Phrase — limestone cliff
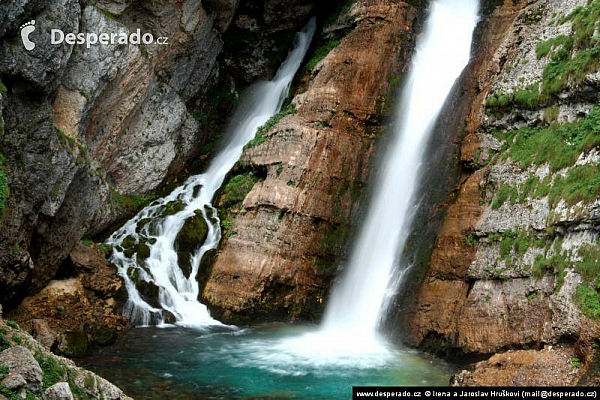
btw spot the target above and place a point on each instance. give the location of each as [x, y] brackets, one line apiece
[87, 135]
[515, 261]
[289, 229]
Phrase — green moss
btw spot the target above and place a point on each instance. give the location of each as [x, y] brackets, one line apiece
[470, 240]
[133, 203]
[320, 53]
[16, 339]
[572, 58]
[505, 192]
[13, 324]
[3, 372]
[532, 296]
[236, 190]
[4, 190]
[260, 136]
[76, 343]
[558, 145]
[173, 207]
[588, 301]
[192, 234]
[9, 394]
[54, 371]
[582, 183]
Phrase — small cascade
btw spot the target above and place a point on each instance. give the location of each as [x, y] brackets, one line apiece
[144, 248]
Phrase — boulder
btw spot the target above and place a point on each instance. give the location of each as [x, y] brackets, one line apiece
[192, 234]
[19, 361]
[59, 391]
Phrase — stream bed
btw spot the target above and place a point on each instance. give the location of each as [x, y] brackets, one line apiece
[251, 363]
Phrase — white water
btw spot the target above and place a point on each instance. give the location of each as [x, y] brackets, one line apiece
[178, 294]
[350, 327]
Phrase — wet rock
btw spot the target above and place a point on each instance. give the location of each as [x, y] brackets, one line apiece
[286, 228]
[73, 343]
[59, 391]
[192, 234]
[149, 292]
[19, 360]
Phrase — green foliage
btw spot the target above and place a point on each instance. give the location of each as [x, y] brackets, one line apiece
[575, 362]
[16, 339]
[4, 191]
[504, 193]
[226, 224]
[572, 58]
[532, 295]
[260, 136]
[13, 324]
[54, 371]
[9, 394]
[3, 88]
[582, 183]
[236, 189]
[558, 145]
[3, 372]
[470, 240]
[133, 203]
[588, 301]
[320, 53]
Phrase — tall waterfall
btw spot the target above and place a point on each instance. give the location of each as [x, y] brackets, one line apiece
[177, 293]
[443, 50]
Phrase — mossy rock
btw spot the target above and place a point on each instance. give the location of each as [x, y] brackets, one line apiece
[149, 292]
[128, 242]
[173, 207]
[143, 251]
[75, 343]
[103, 335]
[192, 234]
[141, 224]
[185, 263]
[208, 259]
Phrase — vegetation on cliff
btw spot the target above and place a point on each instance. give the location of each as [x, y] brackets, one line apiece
[4, 191]
[571, 59]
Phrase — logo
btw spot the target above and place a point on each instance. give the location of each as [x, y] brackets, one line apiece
[26, 30]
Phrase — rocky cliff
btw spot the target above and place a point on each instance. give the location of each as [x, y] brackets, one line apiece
[515, 261]
[291, 205]
[87, 135]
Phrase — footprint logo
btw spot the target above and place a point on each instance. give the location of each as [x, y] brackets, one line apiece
[26, 30]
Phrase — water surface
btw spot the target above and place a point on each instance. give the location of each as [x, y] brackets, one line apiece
[257, 362]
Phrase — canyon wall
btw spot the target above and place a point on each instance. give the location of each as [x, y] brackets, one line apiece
[515, 263]
[88, 135]
[304, 174]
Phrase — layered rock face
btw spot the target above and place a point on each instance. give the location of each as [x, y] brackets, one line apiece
[87, 133]
[306, 172]
[515, 262]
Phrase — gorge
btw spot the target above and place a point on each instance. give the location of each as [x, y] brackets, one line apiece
[418, 177]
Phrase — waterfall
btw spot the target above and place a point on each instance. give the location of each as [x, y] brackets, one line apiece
[153, 228]
[443, 50]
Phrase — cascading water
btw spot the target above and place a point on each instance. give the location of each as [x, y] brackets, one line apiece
[442, 52]
[350, 326]
[177, 293]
